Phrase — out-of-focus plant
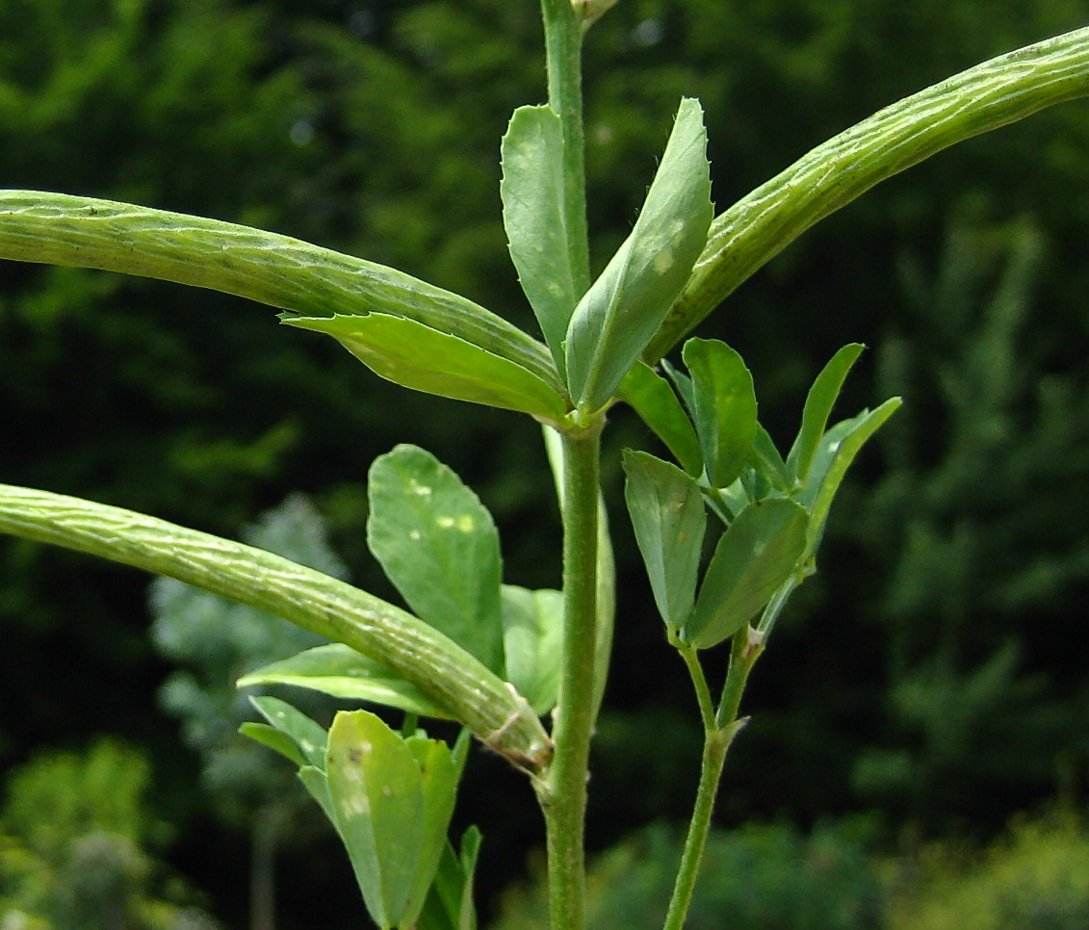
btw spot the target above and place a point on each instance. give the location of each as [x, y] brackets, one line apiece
[215, 642]
[1037, 875]
[73, 832]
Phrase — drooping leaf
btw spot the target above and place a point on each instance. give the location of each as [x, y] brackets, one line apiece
[309, 736]
[833, 457]
[439, 546]
[669, 520]
[620, 313]
[416, 356]
[274, 739]
[818, 406]
[533, 643]
[725, 408]
[341, 672]
[532, 190]
[758, 552]
[650, 395]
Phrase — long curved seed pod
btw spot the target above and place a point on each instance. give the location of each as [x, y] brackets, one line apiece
[755, 229]
[444, 671]
[290, 274]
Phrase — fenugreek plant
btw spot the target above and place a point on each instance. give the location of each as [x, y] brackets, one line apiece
[523, 671]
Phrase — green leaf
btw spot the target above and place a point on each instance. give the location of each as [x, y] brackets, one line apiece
[438, 782]
[274, 739]
[620, 313]
[258, 265]
[439, 546]
[532, 190]
[650, 395]
[392, 800]
[341, 672]
[768, 462]
[449, 904]
[309, 736]
[818, 406]
[416, 356]
[316, 784]
[834, 456]
[533, 643]
[759, 551]
[669, 519]
[725, 408]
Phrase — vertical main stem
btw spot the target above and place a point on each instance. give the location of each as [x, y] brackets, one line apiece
[562, 791]
[563, 51]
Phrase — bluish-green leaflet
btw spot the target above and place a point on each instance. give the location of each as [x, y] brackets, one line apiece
[669, 520]
[652, 397]
[307, 735]
[818, 406]
[532, 190]
[759, 551]
[622, 310]
[390, 811]
[834, 456]
[533, 643]
[449, 904]
[439, 546]
[724, 404]
[341, 672]
[417, 356]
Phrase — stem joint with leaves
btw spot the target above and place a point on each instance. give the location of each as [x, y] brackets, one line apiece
[728, 528]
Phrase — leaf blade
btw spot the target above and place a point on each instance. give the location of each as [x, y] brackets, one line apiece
[669, 520]
[650, 395]
[758, 552]
[624, 307]
[341, 672]
[416, 356]
[725, 408]
[532, 191]
[818, 407]
[423, 522]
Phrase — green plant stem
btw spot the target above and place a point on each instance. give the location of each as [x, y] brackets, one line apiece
[760, 225]
[563, 52]
[719, 730]
[562, 792]
[715, 745]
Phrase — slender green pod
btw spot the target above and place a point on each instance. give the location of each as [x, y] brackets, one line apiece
[280, 271]
[755, 229]
[444, 671]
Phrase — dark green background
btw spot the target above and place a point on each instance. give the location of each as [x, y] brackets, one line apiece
[933, 671]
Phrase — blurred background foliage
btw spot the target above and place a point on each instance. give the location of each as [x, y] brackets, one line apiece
[932, 673]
